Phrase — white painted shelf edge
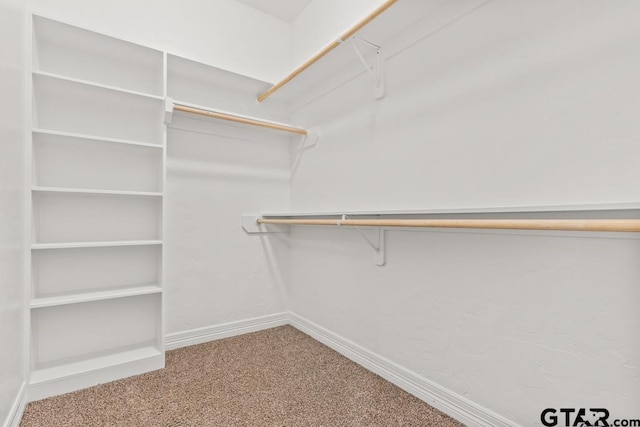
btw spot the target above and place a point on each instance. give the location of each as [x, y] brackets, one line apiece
[94, 244]
[94, 138]
[94, 84]
[94, 296]
[93, 191]
[497, 209]
[84, 366]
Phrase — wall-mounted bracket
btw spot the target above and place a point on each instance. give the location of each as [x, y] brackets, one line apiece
[168, 110]
[309, 140]
[376, 71]
[378, 244]
[250, 226]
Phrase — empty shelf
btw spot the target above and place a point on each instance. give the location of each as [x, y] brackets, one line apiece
[94, 296]
[88, 365]
[70, 245]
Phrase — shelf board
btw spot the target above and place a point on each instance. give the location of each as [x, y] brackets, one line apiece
[94, 244]
[454, 211]
[93, 364]
[95, 138]
[93, 191]
[93, 84]
[94, 296]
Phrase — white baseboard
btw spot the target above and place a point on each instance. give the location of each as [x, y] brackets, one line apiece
[224, 330]
[446, 401]
[17, 409]
[75, 381]
[452, 404]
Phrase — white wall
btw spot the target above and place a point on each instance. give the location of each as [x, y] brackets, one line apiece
[517, 103]
[215, 273]
[321, 22]
[223, 33]
[12, 203]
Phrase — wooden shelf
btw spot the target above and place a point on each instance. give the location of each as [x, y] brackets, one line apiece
[92, 191]
[104, 244]
[95, 138]
[93, 364]
[93, 84]
[94, 296]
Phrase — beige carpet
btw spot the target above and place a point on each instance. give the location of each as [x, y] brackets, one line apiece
[277, 377]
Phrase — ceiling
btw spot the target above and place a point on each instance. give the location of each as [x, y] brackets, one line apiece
[286, 10]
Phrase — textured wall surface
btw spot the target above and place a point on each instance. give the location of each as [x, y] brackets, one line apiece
[12, 227]
[223, 33]
[215, 273]
[516, 103]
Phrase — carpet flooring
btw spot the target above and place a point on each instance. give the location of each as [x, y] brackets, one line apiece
[276, 377]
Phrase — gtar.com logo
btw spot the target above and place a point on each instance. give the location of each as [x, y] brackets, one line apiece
[576, 417]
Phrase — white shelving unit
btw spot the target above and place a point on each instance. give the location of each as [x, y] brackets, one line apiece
[98, 175]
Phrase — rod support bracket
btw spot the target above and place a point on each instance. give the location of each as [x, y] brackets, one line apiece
[310, 139]
[379, 248]
[168, 110]
[251, 226]
[376, 70]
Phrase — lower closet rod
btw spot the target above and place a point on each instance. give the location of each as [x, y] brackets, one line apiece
[619, 225]
[240, 119]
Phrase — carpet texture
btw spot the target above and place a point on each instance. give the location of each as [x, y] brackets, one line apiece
[277, 377]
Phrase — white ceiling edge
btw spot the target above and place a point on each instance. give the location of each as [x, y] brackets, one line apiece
[285, 10]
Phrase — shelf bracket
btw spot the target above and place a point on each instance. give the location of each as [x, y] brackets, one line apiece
[376, 71]
[309, 140]
[168, 110]
[250, 226]
[378, 247]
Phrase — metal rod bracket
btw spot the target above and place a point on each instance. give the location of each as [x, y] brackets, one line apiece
[378, 247]
[376, 70]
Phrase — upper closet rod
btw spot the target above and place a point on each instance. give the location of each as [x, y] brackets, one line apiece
[239, 119]
[345, 36]
[618, 225]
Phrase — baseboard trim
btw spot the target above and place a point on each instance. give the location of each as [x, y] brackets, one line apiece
[224, 330]
[77, 381]
[450, 403]
[17, 409]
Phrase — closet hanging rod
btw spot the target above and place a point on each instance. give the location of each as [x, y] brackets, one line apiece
[239, 119]
[615, 225]
[343, 37]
